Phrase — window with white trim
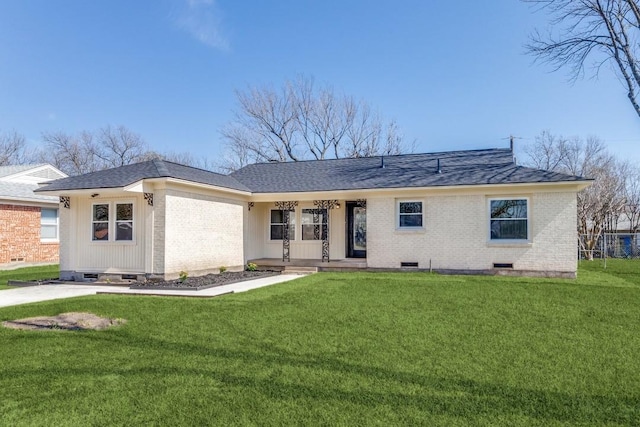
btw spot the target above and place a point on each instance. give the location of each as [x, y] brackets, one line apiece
[49, 224]
[100, 222]
[108, 227]
[311, 220]
[277, 222]
[509, 219]
[410, 214]
[124, 221]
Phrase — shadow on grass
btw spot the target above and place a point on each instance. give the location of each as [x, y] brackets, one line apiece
[437, 396]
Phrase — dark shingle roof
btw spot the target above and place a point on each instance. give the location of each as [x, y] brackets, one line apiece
[125, 175]
[472, 167]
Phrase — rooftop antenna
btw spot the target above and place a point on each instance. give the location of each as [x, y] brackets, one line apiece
[511, 139]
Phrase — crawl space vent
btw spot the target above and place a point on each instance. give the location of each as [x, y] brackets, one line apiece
[503, 265]
[409, 264]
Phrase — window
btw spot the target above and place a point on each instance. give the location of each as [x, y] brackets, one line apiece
[509, 219]
[48, 224]
[102, 222]
[311, 220]
[124, 221]
[410, 214]
[278, 220]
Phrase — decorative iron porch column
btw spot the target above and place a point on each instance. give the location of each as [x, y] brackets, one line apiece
[286, 208]
[327, 205]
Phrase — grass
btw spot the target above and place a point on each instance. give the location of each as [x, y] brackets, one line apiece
[341, 349]
[28, 273]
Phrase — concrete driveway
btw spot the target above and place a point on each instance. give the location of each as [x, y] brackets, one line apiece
[31, 294]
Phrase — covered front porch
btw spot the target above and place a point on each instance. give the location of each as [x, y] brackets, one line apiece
[313, 233]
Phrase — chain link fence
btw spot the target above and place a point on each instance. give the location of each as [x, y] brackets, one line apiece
[610, 245]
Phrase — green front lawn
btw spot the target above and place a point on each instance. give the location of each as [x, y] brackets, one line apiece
[29, 273]
[340, 349]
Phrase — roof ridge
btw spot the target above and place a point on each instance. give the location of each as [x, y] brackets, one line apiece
[434, 153]
[161, 168]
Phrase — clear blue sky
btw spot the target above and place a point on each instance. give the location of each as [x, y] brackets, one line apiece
[453, 74]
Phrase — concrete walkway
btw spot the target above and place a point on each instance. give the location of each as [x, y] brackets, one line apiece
[31, 294]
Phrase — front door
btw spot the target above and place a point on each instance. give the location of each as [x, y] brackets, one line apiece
[356, 230]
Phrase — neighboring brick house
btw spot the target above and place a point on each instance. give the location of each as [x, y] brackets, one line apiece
[462, 211]
[29, 230]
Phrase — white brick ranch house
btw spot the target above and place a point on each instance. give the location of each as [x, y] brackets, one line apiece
[473, 211]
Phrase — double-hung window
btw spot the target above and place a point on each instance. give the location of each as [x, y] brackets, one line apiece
[48, 225]
[278, 219]
[312, 220]
[509, 219]
[112, 222]
[410, 214]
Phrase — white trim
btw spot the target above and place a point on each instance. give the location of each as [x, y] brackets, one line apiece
[319, 239]
[112, 222]
[345, 194]
[295, 223]
[509, 242]
[399, 227]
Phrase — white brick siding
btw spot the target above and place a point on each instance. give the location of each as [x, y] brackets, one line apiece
[201, 233]
[456, 234]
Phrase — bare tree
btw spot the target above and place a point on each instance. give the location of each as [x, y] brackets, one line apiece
[72, 154]
[597, 204]
[182, 158]
[547, 152]
[92, 151]
[632, 196]
[300, 121]
[606, 31]
[118, 147]
[13, 149]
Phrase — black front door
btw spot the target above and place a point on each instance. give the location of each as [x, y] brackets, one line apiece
[356, 230]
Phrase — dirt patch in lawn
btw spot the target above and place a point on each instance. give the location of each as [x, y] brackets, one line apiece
[74, 321]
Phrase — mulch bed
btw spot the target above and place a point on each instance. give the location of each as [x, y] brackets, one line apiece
[204, 282]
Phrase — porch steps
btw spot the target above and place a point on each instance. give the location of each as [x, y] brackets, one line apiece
[297, 269]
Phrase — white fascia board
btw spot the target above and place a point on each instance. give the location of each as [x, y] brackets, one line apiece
[359, 194]
[208, 186]
[34, 180]
[28, 202]
[83, 192]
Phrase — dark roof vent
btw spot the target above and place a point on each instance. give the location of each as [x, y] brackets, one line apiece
[381, 162]
[438, 169]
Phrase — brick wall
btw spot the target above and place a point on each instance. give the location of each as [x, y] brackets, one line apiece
[456, 234]
[201, 233]
[20, 236]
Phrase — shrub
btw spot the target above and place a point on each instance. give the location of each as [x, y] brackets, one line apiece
[183, 276]
[222, 269]
[252, 266]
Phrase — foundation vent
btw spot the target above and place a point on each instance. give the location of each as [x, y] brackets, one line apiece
[409, 264]
[129, 277]
[90, 276]
[20, 259]
[503, 265]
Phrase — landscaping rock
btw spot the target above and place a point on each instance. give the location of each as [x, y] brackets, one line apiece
[204, 282]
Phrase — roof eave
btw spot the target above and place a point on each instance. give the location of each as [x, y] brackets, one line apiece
[358, 193]
[139, 187]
